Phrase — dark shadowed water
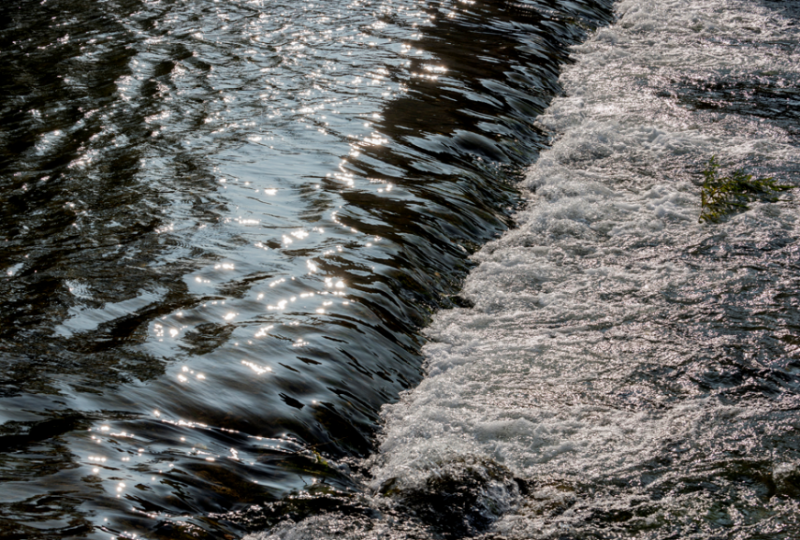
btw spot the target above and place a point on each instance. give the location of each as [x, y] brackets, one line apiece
[222, 226]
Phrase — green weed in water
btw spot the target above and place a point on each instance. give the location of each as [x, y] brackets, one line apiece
[723, 195]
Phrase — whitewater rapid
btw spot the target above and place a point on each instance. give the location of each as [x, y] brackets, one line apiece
[626, 370]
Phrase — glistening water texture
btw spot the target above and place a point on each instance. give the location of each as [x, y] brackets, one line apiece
[626, 372]
[223, 224]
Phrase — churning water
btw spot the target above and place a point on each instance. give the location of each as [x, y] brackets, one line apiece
[224, 224]
[625, 372]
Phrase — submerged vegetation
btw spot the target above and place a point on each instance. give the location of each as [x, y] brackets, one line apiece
[723, 195]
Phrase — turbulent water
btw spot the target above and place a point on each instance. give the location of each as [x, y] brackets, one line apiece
[626, 371]
[244, 293]
[224, 224]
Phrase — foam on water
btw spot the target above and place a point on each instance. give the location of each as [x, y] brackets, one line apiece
[626, 371]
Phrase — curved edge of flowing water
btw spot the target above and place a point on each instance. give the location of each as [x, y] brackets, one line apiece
[626, 371]
[222, 234]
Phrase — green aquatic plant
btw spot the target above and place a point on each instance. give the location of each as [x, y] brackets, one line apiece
[723, 195]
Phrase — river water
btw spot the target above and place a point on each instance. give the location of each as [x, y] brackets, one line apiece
[235, 233]
[223, 226]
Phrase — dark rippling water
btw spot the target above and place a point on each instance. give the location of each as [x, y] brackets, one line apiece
[223, 225]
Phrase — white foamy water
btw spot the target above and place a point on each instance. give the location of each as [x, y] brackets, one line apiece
[635, 370]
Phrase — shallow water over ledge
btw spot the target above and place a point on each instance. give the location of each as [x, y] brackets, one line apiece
[624, 371]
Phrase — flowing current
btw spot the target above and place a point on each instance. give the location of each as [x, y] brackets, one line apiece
[225, 223]
[625, 372]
